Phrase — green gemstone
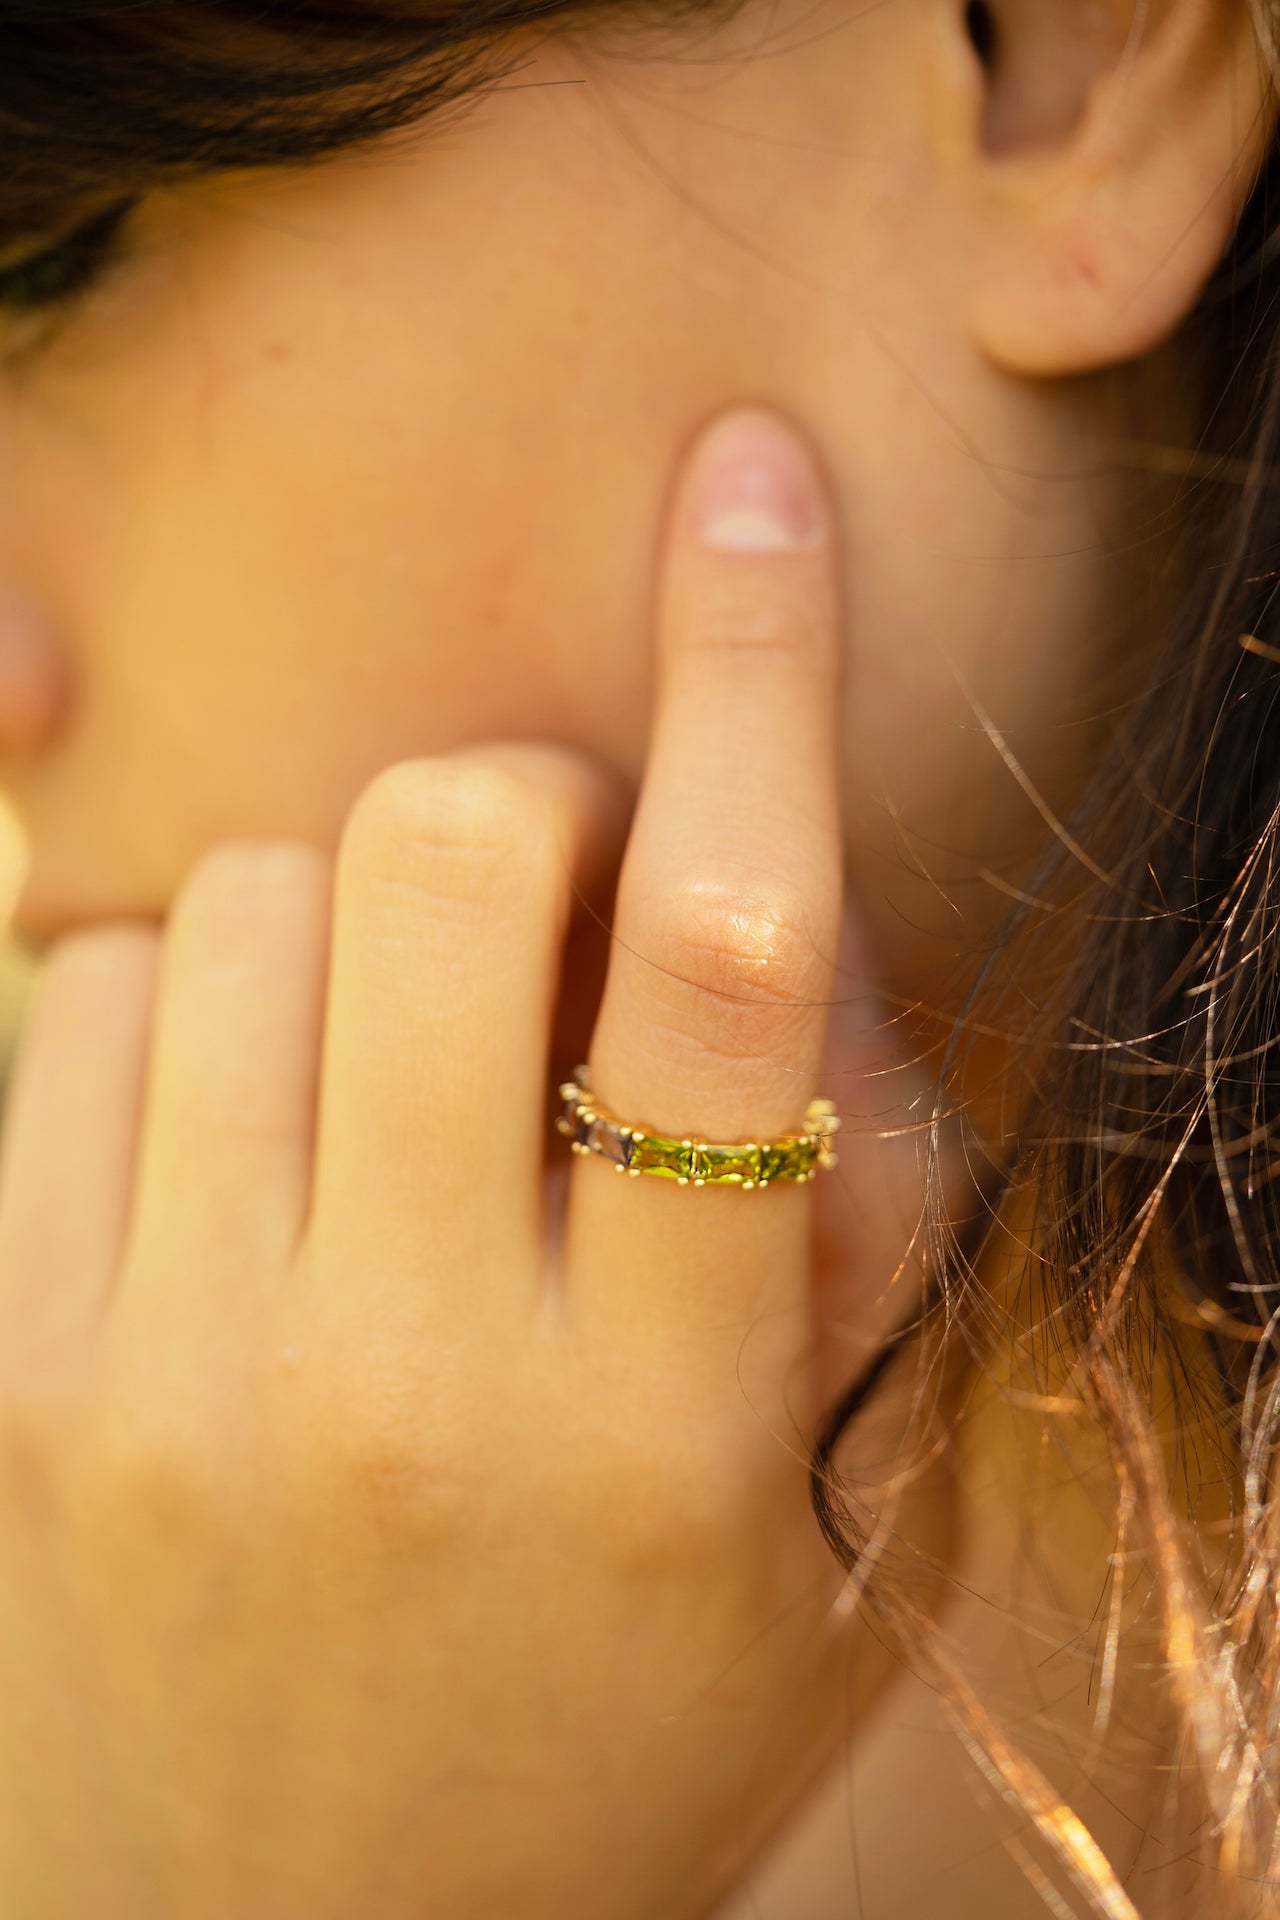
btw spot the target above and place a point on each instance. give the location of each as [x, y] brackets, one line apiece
[787, 1160]
[657, 1154]
[806, 1156]
[728, 1166]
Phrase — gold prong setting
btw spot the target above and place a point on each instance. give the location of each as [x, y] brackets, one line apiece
[751, 1165]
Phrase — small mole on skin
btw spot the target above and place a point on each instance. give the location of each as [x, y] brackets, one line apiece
[1081, 271]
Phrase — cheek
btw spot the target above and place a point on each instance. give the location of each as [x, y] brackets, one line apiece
[366, 474]
[287, 570]
[977, 699]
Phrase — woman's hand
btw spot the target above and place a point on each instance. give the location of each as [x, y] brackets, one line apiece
[370, 1547]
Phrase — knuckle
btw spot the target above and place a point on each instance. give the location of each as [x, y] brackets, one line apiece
[239, 879]
[737, 616]
[749, 939]
[156, 1475]
[94, 974]
[34, 1441]
[663, 1510]
[395, 1493]
[368, 1460]
[429, 823]
[104, 957]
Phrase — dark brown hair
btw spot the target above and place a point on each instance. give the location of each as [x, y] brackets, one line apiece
[1149, 1156]
[133, 94]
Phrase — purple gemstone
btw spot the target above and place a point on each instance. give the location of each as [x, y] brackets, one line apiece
[608, 1140]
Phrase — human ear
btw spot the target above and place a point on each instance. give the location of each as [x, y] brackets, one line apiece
[1102, 152]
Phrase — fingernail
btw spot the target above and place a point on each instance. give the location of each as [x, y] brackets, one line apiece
[754, 488]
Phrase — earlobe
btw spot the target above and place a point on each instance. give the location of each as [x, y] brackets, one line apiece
[1097, 222]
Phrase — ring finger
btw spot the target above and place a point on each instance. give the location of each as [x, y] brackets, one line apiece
[716, 1005]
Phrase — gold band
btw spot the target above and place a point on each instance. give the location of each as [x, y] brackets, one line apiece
[695, 1163]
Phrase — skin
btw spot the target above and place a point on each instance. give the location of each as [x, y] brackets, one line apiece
[371, 466]
[494, 547]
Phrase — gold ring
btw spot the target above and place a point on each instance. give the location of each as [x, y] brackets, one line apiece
[634, 1150]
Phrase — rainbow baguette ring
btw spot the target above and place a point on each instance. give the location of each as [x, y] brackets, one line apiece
[695, 1163]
